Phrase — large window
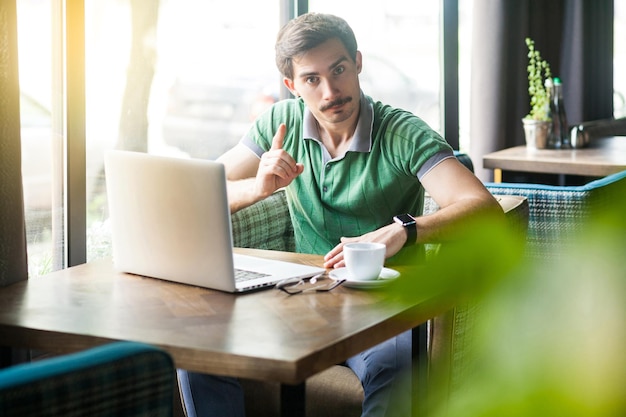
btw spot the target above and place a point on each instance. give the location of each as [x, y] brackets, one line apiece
[184, 78]
[175, 77]
[181, 78]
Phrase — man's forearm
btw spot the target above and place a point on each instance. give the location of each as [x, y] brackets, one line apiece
[241, 194]
[447, 223]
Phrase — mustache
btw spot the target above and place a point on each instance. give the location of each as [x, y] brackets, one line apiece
[338, 102]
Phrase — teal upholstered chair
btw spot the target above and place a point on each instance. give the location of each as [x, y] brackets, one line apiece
[554, 215]
[120, 379]
[557, 212]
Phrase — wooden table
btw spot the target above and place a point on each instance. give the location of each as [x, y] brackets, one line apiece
[602, 157]
[265, 335]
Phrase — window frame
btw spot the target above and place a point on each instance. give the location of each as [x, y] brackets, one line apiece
[75, 173]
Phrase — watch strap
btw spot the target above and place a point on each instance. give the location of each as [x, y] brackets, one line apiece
[408, 223]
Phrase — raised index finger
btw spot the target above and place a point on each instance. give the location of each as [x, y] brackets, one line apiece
[277, 141]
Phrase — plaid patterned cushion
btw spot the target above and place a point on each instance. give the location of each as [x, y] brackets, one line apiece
[265, 225]
[119, 379]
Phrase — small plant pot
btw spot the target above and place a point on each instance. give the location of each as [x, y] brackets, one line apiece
[537, 133]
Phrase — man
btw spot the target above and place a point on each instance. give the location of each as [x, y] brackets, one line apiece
[351, 166]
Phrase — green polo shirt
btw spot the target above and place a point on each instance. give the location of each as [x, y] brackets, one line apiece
[351, 195]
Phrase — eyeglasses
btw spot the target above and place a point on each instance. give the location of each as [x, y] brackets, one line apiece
[317, 283]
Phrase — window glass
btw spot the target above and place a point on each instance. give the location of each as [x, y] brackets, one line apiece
[41, 150]
[399, 40]
[619, 60]
[181, 78]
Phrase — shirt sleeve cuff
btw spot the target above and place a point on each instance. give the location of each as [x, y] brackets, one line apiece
[252, 145]
[433, 161]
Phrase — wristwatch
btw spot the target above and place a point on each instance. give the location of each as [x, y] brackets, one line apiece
[408, 222]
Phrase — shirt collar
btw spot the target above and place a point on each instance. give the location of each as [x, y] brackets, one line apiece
[362, 140]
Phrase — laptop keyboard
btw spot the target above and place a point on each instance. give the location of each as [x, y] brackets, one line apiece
[243, 275]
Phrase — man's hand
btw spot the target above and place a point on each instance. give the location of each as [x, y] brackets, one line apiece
[277, 168]
[392, 235]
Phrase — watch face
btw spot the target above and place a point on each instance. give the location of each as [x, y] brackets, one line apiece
[405, 218]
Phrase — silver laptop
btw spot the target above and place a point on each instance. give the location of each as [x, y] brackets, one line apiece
[170, 219]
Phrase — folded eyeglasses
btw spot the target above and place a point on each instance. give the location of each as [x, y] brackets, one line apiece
[317, 283]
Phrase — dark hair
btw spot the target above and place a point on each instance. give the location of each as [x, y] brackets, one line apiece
[307, 32]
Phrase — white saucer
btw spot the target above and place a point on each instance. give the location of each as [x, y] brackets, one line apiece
[386, 275]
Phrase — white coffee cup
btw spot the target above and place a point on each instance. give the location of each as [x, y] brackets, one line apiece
[364, 260]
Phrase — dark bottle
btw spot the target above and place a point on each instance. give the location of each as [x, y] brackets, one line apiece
[559, 109]
[554, 139]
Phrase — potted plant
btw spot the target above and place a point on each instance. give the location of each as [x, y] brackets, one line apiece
[537, 124]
